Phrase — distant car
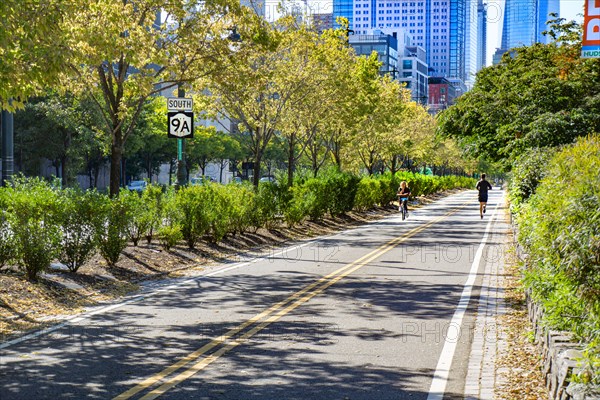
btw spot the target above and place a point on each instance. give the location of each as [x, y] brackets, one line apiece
[138, 186]
[237, 179]
[267, 178]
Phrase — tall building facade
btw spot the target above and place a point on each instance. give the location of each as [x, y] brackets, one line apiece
[525, 22]
[446, 29]
[471, 42]
[343, 8]
[386, 47]
[482, 35]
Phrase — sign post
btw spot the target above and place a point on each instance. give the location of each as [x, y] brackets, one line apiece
[590, 47]
[180, 125]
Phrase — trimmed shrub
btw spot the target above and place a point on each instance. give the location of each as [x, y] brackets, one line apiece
[140, 214]
[297, 208]
[342, 188]
[169, 236]
[7, 237]
[192, 203]
[242, 199]
[33, 207]
[170, 217]
[78, 222]
[315, 201]
[111, 229]
[268, 204]
[368, 193]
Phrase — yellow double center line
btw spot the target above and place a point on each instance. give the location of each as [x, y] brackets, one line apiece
[273, 313]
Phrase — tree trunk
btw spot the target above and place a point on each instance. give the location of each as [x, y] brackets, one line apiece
[96, 174]
[315, 162]
[221, 167]
[256, 169]
[149, 169]
[90, 174]
[63, 171]
[291, 158]
[337, 157]
[115, 164]
[394, 165]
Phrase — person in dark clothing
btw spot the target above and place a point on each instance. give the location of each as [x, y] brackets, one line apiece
[482, 187]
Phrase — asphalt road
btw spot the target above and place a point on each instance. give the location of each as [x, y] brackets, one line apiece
[369, 313]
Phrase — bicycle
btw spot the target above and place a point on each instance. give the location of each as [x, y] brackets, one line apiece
[403, 206]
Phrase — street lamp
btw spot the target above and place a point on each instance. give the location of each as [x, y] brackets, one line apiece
[7, 147]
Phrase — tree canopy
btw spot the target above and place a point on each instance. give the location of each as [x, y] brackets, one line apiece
[538, 96]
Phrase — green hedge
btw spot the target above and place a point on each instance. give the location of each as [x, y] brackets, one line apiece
[40, 223]
[560, 229]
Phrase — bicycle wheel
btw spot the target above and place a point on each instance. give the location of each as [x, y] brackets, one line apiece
[403, 212]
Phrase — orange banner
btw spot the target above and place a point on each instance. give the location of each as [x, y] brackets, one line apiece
[591, 23]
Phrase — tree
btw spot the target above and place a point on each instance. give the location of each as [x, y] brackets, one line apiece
[378, 108]
[120, 56]
[54, 128]
[306, 127]
[203, 148]
[538, 96]
[257, 83]
[150, 147]
[30, 59]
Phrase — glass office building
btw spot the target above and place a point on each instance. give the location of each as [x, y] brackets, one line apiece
[525, 20]
[343, 8]
[446, 29]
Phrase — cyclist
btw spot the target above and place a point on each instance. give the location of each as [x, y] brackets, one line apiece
[403, 193]
[483, 186]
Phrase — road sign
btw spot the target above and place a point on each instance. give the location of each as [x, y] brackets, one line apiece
[179, 104]
[590, 46]
[180, 124]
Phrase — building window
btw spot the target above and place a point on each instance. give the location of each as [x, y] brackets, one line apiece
[406, 64]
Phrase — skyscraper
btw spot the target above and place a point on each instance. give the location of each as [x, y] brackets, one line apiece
[343, 8]
[439, 26]
[524, 22]
[482, 35]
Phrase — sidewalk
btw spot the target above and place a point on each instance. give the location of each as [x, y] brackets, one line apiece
[489, 337]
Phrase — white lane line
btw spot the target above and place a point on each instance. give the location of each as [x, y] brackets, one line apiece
[442, 371]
